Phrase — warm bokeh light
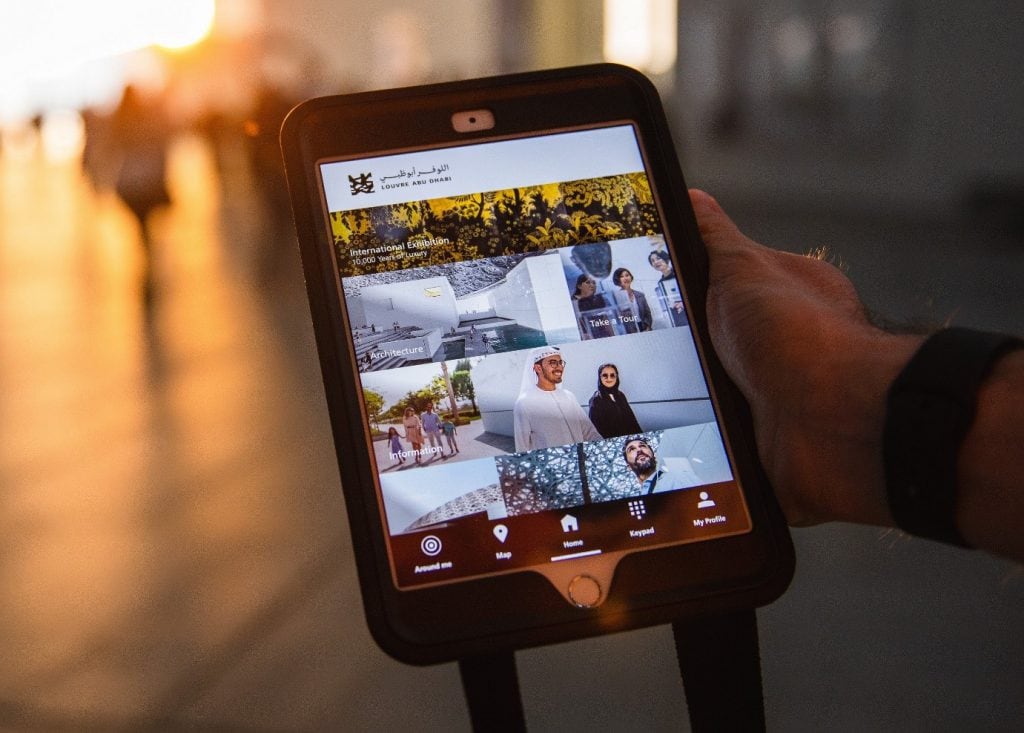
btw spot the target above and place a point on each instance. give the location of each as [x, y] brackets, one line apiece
[51, 35]
[181, 25]
[641, 34]
[62, 135]
[53, 50]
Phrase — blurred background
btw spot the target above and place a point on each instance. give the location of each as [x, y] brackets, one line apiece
[173, 548]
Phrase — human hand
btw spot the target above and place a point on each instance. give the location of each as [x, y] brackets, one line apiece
[794, 336]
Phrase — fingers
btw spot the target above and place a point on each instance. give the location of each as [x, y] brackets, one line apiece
[716, 228]
[726, 244]
[703, 202]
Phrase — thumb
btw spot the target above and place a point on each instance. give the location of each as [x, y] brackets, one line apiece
[716, 228]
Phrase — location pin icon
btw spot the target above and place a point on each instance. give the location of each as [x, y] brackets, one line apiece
[501, 532]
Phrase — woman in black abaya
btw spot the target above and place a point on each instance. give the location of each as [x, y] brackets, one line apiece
[609, 409]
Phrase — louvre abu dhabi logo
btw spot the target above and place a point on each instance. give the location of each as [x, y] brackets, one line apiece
[363, 183]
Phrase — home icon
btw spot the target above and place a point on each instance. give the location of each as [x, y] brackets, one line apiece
[569, 524]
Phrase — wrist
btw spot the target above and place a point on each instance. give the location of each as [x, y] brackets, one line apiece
[948, 438]
[990, 501]
[844, 421]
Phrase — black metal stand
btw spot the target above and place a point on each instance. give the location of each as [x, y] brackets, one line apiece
[492, 692]
[721, 668]
[719, 662]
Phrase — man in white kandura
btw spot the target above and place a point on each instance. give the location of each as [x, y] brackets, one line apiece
[546, 415]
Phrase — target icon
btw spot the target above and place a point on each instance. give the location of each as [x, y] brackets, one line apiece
[430, 545]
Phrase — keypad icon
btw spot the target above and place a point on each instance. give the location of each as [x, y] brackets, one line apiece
[637, 509]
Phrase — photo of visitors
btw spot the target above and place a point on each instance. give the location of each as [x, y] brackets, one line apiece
[520, 414]
[610, 298]
[544, 395]
[546, 415]
[435, 404]
[609, 409]
[530, 399]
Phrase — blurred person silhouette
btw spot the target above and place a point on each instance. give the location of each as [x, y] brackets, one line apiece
[99, 165]
[139, 138]
[263, 151]
[93, 167]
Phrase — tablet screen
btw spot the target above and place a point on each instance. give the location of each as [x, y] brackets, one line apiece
[531, 388]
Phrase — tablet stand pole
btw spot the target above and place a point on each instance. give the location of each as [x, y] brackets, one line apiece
[492, 692]
[721, 669]
[719, 662]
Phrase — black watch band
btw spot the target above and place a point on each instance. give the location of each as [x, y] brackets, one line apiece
[929, 411]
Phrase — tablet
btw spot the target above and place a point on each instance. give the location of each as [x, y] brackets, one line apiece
[535, 438]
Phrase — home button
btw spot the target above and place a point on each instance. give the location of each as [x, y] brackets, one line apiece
[584, 591]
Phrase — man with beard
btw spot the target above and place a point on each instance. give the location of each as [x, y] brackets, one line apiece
[546, 415]
[668, 475]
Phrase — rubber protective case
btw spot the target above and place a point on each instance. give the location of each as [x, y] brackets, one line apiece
[507, 612]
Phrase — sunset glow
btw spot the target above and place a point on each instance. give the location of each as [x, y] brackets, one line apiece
[50, 35]
[47, 46]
